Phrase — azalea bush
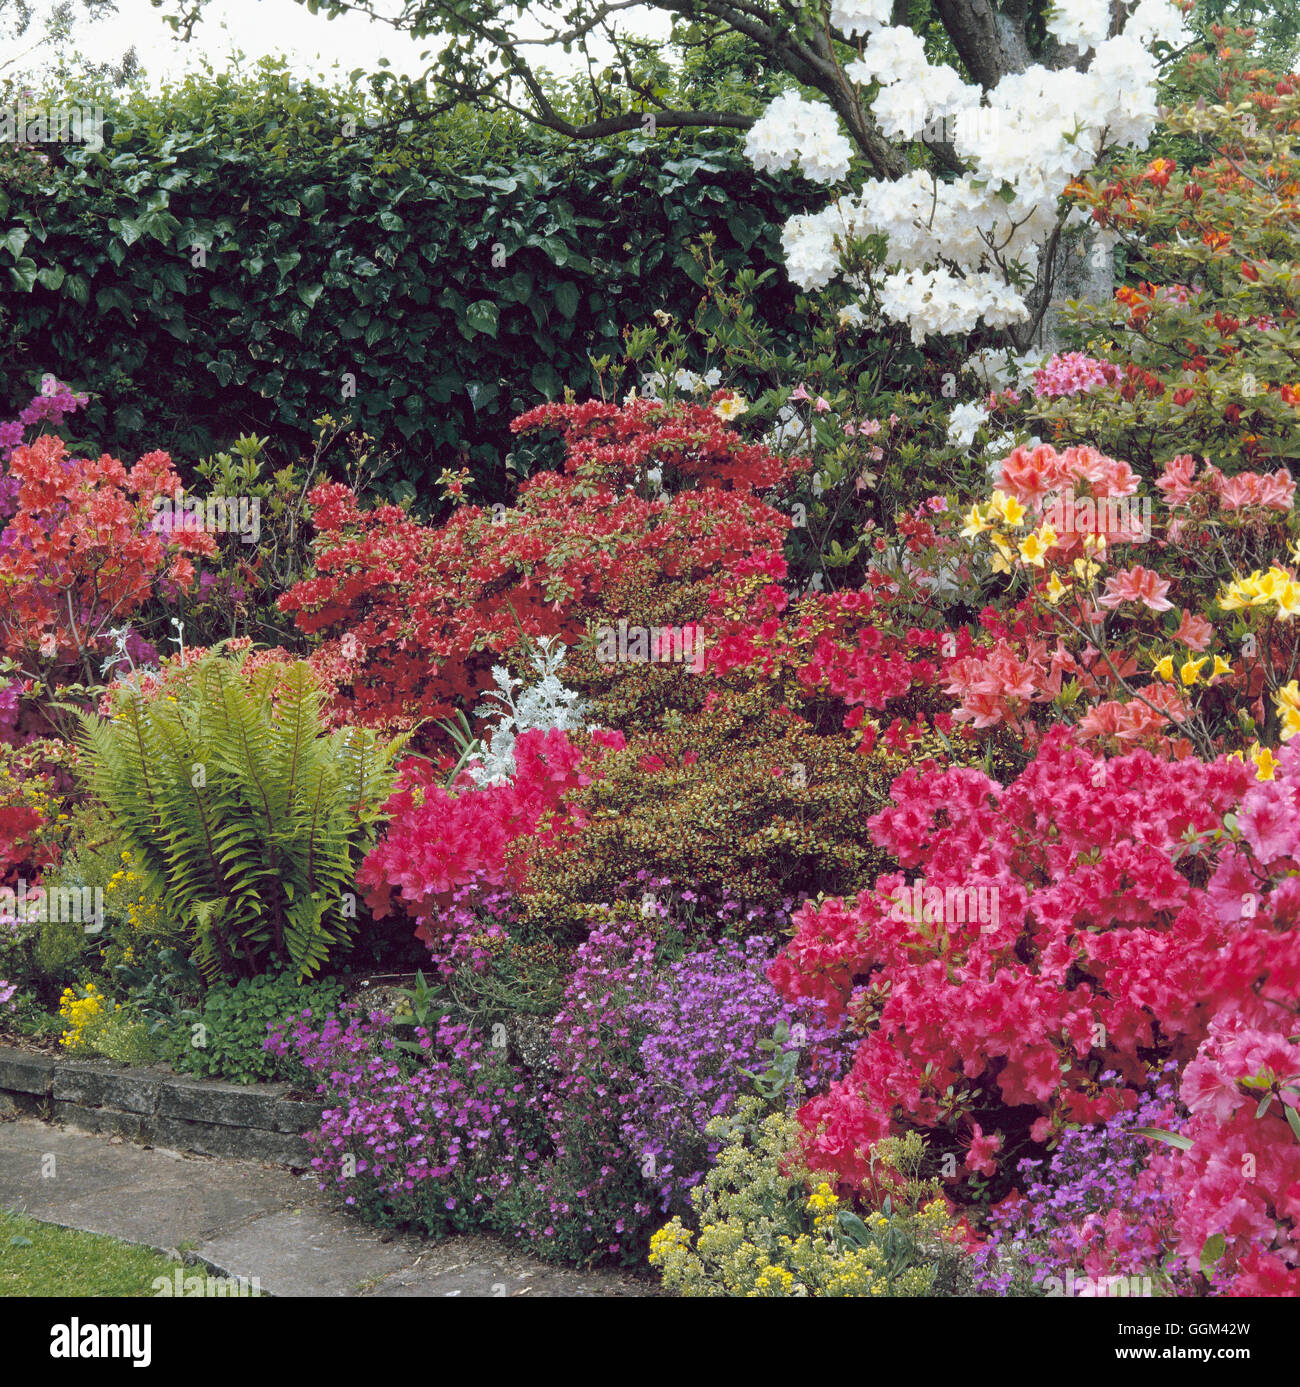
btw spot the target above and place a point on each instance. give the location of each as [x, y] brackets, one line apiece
[422, 611]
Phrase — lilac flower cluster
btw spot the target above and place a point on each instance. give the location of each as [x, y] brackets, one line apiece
[647, 1051]
[703, 1020]
[1098, 1208]
[431, 1141]
[649, 1045]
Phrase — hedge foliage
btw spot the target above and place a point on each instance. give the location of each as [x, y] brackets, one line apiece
[239, 247]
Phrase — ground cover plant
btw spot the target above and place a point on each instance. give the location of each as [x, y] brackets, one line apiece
[829, 824]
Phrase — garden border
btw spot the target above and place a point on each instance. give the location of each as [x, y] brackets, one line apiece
[153, 1107]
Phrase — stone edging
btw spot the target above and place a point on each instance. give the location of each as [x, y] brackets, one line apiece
[157, 1108]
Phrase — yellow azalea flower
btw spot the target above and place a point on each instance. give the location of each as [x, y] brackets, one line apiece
[1085, 568]
[1287, 598]
[1243, 592]
[730, 408]
[1033, 550]
[1191, 670]
[1055, 589]
[1265, 762]
[1287, 702]
[975, 524]
[1221, 666]
[1007, 507]
[1165, 669]
[1001, 562]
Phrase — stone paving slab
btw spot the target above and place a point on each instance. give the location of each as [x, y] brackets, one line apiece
[251, 1220]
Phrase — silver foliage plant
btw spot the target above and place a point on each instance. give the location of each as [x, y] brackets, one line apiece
[543, 705]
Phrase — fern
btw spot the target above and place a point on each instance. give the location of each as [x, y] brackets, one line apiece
[243, 811]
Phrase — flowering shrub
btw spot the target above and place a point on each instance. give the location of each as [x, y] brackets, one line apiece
[1095, 1208]
[81, 552]
[439, 839]
[1200, 344]
[952, 244]
[425, 605]
[767, 1230]
[1093, 955]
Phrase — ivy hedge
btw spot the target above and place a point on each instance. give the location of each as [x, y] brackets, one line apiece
[241, 258]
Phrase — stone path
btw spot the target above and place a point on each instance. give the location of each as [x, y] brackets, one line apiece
[242, 1219]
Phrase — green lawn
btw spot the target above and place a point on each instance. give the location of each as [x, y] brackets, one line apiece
[38, 1259]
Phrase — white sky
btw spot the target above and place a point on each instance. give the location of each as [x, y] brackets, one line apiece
[313, 43]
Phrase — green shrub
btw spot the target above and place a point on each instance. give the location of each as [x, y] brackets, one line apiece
[224, 1040]
[263, 241]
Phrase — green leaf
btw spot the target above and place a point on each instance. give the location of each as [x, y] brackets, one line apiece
[309, 293]
[482, 316]
[24, 274]
[1211, 1252]
[52, 276]
[1293, 1120]
[1169, 1138]
[15, 240]
[566, 299]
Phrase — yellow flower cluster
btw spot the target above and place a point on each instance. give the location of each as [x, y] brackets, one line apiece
[82, 1015]
[1190, 671]
[126, 894]
[1287, 702]
[1002, 512]
[1264, 761]
[754, 1240]
[1260, 589]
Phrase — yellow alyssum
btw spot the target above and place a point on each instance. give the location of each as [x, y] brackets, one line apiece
[80, 1014]
[768, 1229]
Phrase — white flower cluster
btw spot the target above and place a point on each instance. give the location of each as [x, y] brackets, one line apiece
[964, 422]
[912, 89]
[860, 16]
[1082, 24]
[544, 705]
[951, 243]
[790, 434]
[686, 381]
[997, 368]
[807, 132]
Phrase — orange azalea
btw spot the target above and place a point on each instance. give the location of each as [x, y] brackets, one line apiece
[1194, 631]
[1137, 584]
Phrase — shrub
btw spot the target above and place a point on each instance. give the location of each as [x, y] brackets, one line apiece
[424, 609]
[226, 1038]
[768, 1230]
[739, 801]
[1093, 951]
[239, 808]
[509, 259]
